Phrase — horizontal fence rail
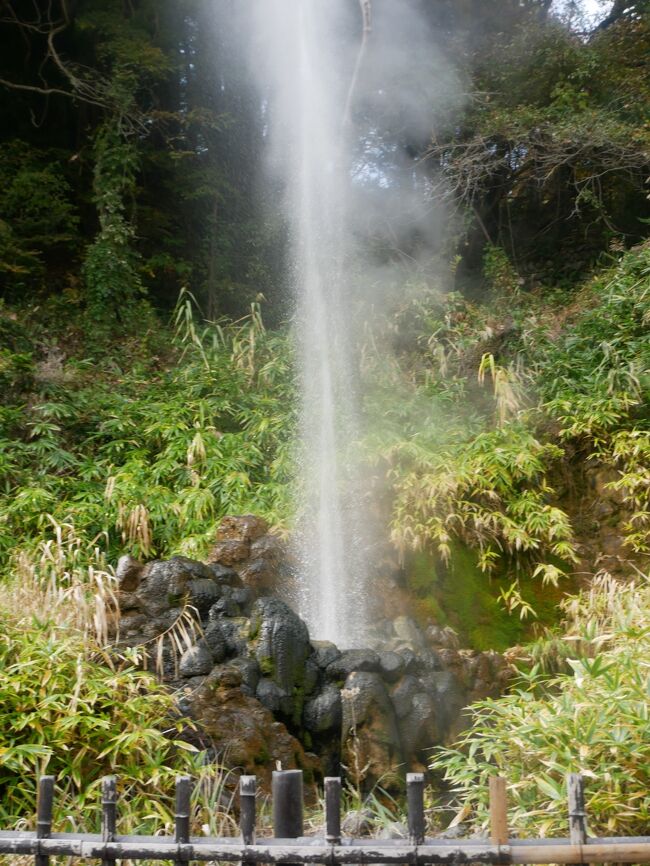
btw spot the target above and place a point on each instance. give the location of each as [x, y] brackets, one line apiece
[290, 846]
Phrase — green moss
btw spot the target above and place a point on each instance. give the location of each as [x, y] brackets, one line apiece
[466, 599]
[262, 757]
[266, 666]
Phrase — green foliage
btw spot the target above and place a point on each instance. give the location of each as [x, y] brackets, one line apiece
[490, 491]
[71, 704]
[123, 39]
[501, 276]
[550, 157]
[595, 381]
[113, 284]
[148, 459]
[605, 351]
[471, 460]
[80, 714]
[593, 720]
[37, 215]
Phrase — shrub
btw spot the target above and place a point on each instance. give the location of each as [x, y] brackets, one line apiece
[593, 720]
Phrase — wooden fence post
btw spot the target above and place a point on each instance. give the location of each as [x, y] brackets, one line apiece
[287, 805]
[44, 808]
[577, 813]
[415, 802]
[247, 791]
[498, 811]
[109, 813]
[183, 811]
[333, 810]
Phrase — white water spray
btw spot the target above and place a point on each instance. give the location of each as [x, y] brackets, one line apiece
[310, 68]
[344, 98]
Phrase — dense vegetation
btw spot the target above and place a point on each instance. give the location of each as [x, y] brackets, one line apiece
[592, 716]
[147, 385]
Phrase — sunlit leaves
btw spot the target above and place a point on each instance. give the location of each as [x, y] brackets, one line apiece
[65, 711]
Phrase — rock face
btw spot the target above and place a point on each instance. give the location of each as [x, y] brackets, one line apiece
[262, 691]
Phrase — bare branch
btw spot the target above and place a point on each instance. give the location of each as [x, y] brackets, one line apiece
[44, 91]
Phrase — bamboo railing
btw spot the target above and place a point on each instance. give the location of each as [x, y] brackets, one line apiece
[291, 846]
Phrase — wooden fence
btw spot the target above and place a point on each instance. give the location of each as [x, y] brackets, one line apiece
[290, 846]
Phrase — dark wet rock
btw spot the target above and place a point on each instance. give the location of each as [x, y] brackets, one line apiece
[241, 730]
[445, 685]
[250, 672]
[155, 625]
[218, 609]
[236, 632]
[131, 623]
[446, 637]
[412, 662]
[325, 652]
[270, 695]
[243, 597]
[129, 602]
[391, 666]
[311, 676]
[164, 583]
[195, 682]
[245, 546]
[420, 729]
[358, 822]
[403, 693]
[369, 730]
[196, 661]
[259, 575]
[267, 547]
[353, 660]
[255, 654]
[203, 592]
[282, 642]
[193, 567]
[430, 660]
[246, 527]
[455, 661]
[225, 606]
[448, 694]
[215, 640]
[223, 574]
[226, 676]
[324, 712]
[128, 573]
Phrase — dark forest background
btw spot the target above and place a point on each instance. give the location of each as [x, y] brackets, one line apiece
[132, 141]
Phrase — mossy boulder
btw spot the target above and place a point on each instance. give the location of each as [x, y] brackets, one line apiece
[281, 647]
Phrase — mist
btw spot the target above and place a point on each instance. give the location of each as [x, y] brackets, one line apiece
[351, 93]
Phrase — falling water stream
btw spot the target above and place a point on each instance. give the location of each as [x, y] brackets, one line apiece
[331, 544]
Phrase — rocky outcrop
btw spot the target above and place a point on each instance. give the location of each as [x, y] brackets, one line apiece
[261, 691]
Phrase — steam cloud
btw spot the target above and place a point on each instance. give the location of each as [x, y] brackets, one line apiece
[341, 146]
